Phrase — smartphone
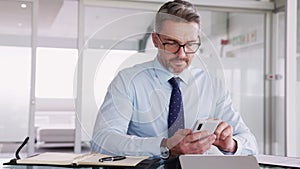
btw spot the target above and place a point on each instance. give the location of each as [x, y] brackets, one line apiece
[208, 125]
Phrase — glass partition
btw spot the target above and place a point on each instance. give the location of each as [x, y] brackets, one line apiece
[56, 62]
[15, 69]
[243, 60]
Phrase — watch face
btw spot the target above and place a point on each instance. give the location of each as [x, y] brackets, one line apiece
[164, 151]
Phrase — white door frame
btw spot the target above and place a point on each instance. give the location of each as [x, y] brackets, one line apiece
[291, 77]
[31, 121]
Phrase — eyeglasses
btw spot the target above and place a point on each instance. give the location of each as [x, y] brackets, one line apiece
[174, 46]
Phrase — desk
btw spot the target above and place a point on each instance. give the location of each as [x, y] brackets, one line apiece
[156, 164]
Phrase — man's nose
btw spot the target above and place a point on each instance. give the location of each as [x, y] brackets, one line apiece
[181, 53]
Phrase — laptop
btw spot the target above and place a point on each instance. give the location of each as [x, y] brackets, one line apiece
[217, 161]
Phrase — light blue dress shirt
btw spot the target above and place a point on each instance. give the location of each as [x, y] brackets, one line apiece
[134, 115]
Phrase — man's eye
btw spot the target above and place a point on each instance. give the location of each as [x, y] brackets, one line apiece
[191, 44]
[172, 43]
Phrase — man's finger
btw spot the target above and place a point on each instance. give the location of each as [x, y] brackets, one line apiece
[226, 133]
[196, 136]
[222, 125]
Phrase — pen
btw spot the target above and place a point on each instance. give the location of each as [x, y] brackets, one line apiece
[113, 158]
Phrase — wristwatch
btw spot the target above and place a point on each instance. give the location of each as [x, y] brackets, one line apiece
[164, 150]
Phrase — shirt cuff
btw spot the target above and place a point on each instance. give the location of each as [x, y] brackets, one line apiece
[239, 146]
[157, 144]
[237, 151]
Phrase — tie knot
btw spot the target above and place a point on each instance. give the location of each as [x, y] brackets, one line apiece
[174, 82]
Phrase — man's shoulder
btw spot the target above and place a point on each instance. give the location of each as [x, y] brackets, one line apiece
[138, 72]
[137, 68]
[212, 77]
[198, 72]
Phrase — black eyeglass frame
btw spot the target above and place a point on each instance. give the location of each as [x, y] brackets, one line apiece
[179, 45]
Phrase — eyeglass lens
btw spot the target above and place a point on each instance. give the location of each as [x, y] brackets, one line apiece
[174, 47]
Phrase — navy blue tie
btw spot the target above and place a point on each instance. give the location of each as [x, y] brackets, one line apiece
[176, 117]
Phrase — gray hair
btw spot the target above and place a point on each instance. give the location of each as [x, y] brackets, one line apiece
[177, 10]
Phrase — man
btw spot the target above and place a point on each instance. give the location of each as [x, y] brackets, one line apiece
[150, 108]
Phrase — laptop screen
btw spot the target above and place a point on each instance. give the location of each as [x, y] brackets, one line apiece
[215, 162]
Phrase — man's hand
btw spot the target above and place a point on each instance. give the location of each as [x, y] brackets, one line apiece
[224, 140]
[186, 142]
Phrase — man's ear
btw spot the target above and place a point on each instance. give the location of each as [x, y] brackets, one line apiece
[154, 39]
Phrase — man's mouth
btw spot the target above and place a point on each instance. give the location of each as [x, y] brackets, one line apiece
[180, 61]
